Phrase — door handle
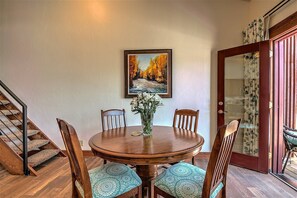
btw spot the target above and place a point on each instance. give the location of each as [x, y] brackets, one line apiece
[222, 112]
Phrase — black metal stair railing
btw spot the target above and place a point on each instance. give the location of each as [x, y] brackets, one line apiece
[24, 127]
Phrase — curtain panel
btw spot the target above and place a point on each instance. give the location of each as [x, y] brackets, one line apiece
[252, 34]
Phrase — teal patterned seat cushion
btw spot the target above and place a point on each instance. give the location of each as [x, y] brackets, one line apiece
[291, 139]
[184, 180]
[111, 180]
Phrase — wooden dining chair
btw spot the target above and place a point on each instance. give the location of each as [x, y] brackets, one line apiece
[186, 180]
[186, 119]
[109, 180]
[111, 119]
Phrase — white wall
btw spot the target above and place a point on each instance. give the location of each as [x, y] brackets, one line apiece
[65, 58]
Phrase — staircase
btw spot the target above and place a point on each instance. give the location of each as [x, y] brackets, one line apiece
[37, 147]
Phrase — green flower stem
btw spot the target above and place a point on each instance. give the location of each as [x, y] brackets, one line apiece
[147, 123]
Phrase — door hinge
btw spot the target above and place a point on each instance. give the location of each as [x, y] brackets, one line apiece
[270, 53]
[270, 105]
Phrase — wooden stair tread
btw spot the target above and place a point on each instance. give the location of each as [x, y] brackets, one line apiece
[4, 102]
[10, 123]
[19, 134]
[9, 112]
[42, 156]
[32, 145]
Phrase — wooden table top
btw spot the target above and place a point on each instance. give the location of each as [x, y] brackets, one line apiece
[167, 144]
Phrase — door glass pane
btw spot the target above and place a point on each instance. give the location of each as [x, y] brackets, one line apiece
[241, 100]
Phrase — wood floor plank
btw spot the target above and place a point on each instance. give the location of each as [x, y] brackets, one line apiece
[54, 180]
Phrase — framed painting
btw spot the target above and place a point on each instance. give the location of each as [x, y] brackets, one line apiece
[148, 71]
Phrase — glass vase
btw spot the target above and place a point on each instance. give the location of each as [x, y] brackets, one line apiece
[147, 123]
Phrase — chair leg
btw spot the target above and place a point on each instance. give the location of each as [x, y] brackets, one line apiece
[75, 194]
[104, 161]
[223, 193]
[155, 193]
[292, 155]
[193, 161]
[289, 153]
[139, 195]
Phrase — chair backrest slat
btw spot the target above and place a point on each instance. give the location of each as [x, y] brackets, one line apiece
[220, 157]
[186, 119]
[118, 121]
[113, 118]
[191, 122]
[78, 166]
[183, 122]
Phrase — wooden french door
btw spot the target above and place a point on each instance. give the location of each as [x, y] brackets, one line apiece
[244, 92]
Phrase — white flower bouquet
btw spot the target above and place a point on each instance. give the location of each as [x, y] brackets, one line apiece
[146, 105]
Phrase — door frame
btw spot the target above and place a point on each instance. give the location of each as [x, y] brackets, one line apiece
[259, 163]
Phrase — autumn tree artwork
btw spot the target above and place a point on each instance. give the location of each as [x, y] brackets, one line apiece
[148, 71]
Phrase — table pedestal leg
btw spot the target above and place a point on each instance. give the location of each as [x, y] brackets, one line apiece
[147, 173]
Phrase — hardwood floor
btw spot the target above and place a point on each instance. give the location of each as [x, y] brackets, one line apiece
[54, 181]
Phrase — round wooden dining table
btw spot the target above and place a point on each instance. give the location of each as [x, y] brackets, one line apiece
[165, 145]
